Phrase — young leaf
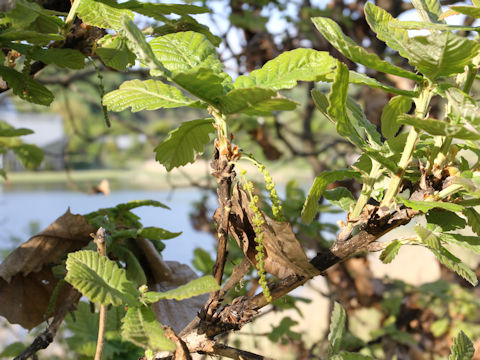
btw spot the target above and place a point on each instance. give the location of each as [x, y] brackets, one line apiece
[64, 58]
[7, 130]
[101, 14]
[345, 355]
[396, 106]
[202, 82]
[340, 197]
[439, 128]
[157, 11]
[333, 33]
[472, 11]
[145, 95]
[25, 87]
[429, 10]
[468, 242]
[30, 36]
[390, 252]
[193, 288]
[31, 156]
[31, 16]
[337, 329]
[455, 264]
[446, 220]
[462, 348]
[254, 101]
[134, 269]
[473, 219]
[139, 203]
[428, 237]
[362, 79]
[114, 52]
[141, 327]
[156, 233]
[100, 279]
[316, 191]
[420, 25]
[183, 51]
[184, 143]
[425, 206]
[285, 70]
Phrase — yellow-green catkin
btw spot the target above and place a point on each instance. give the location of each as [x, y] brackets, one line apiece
[270, 185]
[258, 221]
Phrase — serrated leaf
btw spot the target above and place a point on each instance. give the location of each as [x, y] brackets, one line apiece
[31, 16]
[145, 95]
[183, 51]
[340, 197]
[446, 220]
[396, 106]
[425, 206]
[473, 219]
[102, 14]
[468, 242]
[184, 143]
[157, 11]
[193, 288]
[420, 25]
[390, 252]
[140, 326]
[318, 187]
[202, 82]
[134, 269]
[186, 23]
[431, 239]
[362, 79]
[337, 329]
[254, 101]
[455, 264]
[114, 52]
[100, 279]
[345, 45]
[64, 58]
[156, 233]
[31, 156]
[472, 11]
[283, 331]
[429, 10]
[30, 36]
[439, 127]
[285, 70]
[25, 87]
[462, 348]
[441, 54]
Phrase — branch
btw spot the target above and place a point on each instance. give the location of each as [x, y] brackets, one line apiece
[99, 240]
[237, 354]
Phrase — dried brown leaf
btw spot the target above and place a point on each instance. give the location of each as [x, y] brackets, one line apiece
[284, 255]
[26, 279]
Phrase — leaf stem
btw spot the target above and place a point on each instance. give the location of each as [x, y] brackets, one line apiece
[71, 14]
[367, 189]
[99, 239]
[422, 103]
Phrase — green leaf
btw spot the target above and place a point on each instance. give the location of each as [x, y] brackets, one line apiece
[139, 203]
[462, 348]
[441, 54]
[102, 14]
[186, 23]
[472, 11]
[202, 82]
[193, 288]
[318, 187]
[30, 36]
[428, 237]
[285, 70]
[184, 143]
[31, 156]
[390, 252]
[249, 20]
[473, 219]
[362, 79]
[141, 327]
[396, 106]
[31, 16]
[7, 130]
[468, 242]
[420, 25]
[114, 52]
[446, 220]
[340, 197]
[345, 45]
[145, 95]
[429, 10]
[337, 329]
[100, 279]
[283, 331]
[425, 206]
[182, 51]
[25, 87]
[157, 11]
[360, 122]
[202, 261]
[156, 233]
[440, 327]
[134, 269]
[254, 101]
[439, 127]
[12, 350]
[455, 264]
[345, 355]
[64, 58]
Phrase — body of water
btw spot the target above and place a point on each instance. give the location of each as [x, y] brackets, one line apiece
[18, 209]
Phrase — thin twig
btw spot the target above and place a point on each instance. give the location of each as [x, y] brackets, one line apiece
[237, 275]
[237, 354]
[99, 239]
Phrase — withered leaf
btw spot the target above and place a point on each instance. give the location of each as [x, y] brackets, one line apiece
[26, 279]
[284, 255]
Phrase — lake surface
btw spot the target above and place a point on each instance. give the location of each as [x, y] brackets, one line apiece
[19, 208]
